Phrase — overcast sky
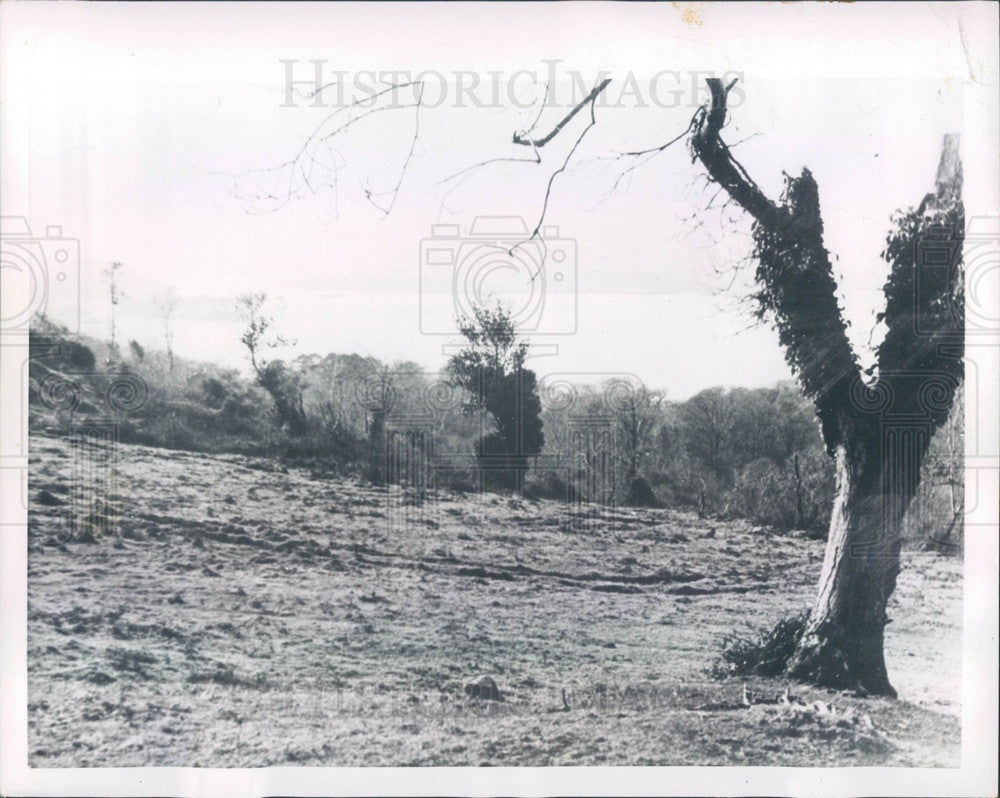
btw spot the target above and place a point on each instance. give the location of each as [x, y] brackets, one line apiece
[124, 125]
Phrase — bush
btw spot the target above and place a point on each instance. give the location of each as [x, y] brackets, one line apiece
[53, 345]
[169, 430]
[214, 393]
[795, 495]
[767, 654]
[547, 484]
[323, 447]
[78, 356]
[640, 494]
[460, 480]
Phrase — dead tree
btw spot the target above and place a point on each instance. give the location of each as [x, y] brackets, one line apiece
[166, 304]
[878, 433]
[114, 297]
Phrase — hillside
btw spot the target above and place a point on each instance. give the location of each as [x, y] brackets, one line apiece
[726, 452]
[235, 612]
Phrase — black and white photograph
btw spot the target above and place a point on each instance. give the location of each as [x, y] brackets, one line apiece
[499, 398]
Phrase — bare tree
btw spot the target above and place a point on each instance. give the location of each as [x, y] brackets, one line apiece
[878, 433]
[708, 425]
[636, 413]
[115, 295]
[283, 385]
[166, 304]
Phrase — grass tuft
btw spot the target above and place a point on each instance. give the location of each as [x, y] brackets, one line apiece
[765, 654]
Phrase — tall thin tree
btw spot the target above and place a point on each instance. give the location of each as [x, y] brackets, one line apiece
[115, 295]
[166, 304]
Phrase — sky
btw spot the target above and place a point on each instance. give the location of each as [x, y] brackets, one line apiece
[130, 125]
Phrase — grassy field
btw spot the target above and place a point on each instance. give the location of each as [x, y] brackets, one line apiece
[243, 614]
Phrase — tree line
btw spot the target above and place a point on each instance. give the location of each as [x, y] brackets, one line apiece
[488, 422]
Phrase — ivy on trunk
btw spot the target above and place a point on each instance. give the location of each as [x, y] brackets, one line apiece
[878, 432]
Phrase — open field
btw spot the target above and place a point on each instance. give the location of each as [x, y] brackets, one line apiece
[247, 615]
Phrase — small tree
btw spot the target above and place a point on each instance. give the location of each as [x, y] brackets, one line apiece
[115, 295]
[379, 397]
[282, 384]
[708, 418]
[166, 304]
[491, 369]
[636, 412]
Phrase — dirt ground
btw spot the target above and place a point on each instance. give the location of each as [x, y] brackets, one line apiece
[239, 614]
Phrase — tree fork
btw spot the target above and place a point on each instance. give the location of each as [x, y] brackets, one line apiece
[878, 459]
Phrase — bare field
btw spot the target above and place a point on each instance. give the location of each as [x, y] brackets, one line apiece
[247, 615]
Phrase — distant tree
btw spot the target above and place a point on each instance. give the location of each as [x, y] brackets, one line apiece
[284, 385]
[949, 471]
[794, 428]
[491, 369]
[166, 304]
[708, 420]
[636, 414]
[935, 518]
[137, 351]
[115, 296]
[379, 397]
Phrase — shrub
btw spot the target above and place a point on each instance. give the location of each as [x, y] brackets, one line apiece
[640, 494]
[795, 495]
[460, 480]
[214, 393]
[767, 654]
[547, 484]
[78, 356]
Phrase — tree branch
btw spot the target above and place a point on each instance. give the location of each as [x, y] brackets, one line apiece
[521, 137]
[920, 357]
[797, 291]
[724, 169]
[315, 165]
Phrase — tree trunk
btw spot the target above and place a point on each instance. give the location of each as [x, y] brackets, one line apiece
[842, 643]
[799, 515]
[878, 434]
[377, 454]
